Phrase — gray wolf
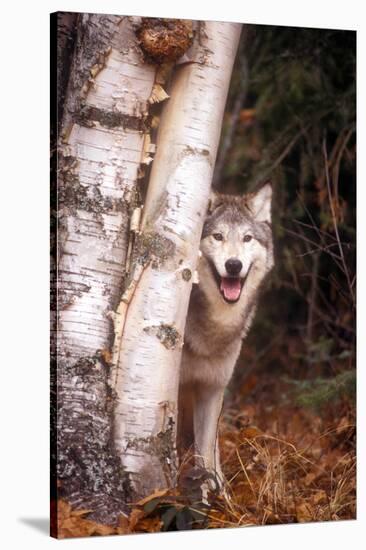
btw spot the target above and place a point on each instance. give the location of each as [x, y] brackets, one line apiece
[236, 255]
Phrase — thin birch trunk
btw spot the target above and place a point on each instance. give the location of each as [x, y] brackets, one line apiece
[152, 313]
[99, 156]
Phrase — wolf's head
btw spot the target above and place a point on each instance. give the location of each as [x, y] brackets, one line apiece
[236, 245]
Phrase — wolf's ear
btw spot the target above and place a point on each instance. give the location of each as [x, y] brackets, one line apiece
[260, 202]
[214, 201]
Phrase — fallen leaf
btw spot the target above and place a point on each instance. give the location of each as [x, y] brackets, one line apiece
[320, 497]
[303, 513]
[250, 433]
[155, 494]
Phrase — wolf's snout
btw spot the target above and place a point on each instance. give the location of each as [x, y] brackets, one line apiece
[233, 266]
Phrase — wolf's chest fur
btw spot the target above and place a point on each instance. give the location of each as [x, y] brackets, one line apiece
[213, 325]
[213, 336]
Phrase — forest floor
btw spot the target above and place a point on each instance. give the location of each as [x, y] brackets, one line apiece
[283, 464]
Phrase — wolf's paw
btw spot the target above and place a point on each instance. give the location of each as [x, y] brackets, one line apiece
[215, 485]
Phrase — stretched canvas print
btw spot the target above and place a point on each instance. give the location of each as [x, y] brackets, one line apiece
[203, 282]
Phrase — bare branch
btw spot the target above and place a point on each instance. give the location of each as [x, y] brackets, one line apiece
[314, 243]
[335, 224]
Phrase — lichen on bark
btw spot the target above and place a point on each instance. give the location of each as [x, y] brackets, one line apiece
[151, 245]
[168, 335]
[160, 446]
[89, 114]
[74, 196]
[89, 472]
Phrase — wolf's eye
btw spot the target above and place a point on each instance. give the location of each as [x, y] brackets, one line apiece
[247, 238]
[218, 236]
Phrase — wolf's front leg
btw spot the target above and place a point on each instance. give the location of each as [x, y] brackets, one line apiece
[207, 408]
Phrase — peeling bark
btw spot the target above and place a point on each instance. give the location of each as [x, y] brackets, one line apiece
[99, 152]
[150, 336]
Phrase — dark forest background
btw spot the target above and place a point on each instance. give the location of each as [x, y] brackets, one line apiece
[291, 119]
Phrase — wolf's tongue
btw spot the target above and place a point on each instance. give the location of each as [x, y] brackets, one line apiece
[231, 288]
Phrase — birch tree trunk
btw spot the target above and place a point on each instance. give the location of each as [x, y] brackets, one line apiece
[151, 316]
[99, 154]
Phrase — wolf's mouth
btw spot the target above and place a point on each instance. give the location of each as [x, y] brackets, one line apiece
[229, 287]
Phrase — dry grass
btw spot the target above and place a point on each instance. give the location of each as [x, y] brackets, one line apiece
[286, 464]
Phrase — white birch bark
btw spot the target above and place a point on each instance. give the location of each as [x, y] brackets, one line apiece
[147, 376]
[99, 156]
[107, 160]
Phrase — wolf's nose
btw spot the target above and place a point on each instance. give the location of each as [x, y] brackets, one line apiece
[233, 266]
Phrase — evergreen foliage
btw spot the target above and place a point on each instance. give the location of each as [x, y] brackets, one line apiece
[296, 127]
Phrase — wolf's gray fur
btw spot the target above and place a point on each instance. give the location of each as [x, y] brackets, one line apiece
[221, 310]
